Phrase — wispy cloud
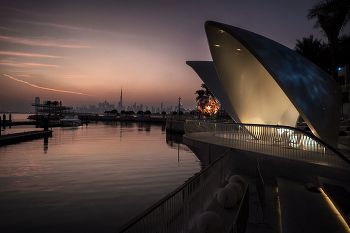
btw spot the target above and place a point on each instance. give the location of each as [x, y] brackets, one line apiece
[23, 71]
[58, 25]
[45, 88]
[72, 27]
[28, 54]
[3, 28]
[23, 11]
[24, 75]
[10, 63]
[38, 64]
[40, 42]
[73, 76]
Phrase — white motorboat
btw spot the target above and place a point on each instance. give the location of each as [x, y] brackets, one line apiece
[71, 120]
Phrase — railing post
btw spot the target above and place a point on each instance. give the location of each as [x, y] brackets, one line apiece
[186, 209]
[201, 193]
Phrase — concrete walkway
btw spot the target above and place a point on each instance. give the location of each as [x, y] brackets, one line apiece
[303, 211]
[256, 224]
[290, 207]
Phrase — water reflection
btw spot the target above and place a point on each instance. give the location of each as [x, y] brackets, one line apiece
[174, 141]
[90, 180]
[46, 144]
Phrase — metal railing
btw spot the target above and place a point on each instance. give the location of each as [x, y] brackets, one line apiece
[180, 210]
[282, 141]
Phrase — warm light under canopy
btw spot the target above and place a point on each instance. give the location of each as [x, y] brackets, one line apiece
[265, 82]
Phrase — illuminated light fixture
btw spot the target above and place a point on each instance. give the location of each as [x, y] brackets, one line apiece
[222, 31]
[238, 49]
[208, 106]
[346, 226]
[217, 45]
[339, 68]
[207, 72]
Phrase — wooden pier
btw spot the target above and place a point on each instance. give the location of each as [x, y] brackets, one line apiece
[14, 123]
[24, 136]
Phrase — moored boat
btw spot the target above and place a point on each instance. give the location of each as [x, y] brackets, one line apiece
[71, 120]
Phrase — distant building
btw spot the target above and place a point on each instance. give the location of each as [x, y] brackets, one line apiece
[120, 106]
[37, 101]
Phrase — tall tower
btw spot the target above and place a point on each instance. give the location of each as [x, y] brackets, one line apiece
[120, 104]
[121, 96]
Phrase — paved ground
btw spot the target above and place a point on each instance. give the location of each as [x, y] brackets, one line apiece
[256, 224]
[304, 211]
[289, 206]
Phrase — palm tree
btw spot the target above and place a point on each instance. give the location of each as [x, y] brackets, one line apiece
[207, 91]
[344, 49]
[332, 16]
[140, 113]
[204, 92]
[55, 103]
[315, 50]
[49, 104]
[200, 94]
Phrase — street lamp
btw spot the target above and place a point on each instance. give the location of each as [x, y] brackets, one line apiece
[179, 107]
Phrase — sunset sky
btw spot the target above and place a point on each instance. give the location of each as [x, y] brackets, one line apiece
[84, 52]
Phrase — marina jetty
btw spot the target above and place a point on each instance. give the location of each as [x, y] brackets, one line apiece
[123, 118]
[25, 136]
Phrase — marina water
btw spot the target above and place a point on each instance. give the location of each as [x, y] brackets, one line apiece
[92, 178]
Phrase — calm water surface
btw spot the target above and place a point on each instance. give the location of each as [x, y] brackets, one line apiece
[92, 178]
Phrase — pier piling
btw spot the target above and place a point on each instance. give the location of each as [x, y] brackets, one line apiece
[46, 124]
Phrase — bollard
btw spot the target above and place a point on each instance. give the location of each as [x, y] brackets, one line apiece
[10, 118]
[46, 123]
[4, 118]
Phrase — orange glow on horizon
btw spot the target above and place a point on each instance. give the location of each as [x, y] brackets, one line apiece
[45, 88]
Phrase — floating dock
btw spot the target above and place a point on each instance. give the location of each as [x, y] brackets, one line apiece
[24, 136]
